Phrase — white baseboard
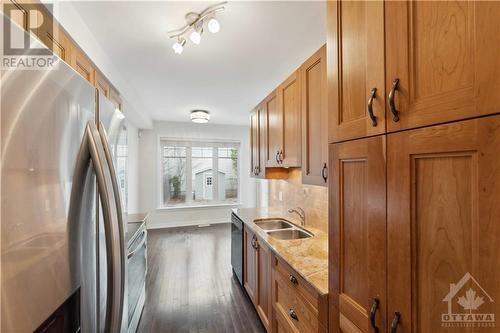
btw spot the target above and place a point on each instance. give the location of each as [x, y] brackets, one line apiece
[176, 224]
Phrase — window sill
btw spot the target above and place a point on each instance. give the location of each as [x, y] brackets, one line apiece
[199, 206]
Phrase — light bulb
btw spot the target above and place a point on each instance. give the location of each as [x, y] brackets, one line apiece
[213, 26]
[179, 46]
[195, 37]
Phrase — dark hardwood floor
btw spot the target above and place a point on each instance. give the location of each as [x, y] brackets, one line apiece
[190, 286]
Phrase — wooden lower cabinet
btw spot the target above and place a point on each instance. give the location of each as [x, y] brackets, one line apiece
[257, 275]
[250, 268]
[297, 306]
[443, 230]
[264, 268]
[357, 232]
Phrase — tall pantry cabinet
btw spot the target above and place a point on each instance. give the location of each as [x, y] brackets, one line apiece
[415, 200]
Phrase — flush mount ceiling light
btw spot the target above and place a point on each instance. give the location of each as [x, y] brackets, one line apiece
[194, 26]
[200, 116]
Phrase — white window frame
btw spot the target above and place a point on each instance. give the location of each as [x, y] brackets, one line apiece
[189, 181]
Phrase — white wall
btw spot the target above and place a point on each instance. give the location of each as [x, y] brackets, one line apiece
[148, 173]
[133, 169]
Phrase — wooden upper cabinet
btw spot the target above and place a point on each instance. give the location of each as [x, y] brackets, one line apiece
[443, 212]
[446, 55]
[52, 34]
[264, 282]
[263, 150]
[357, 228]
[289, 104]
[115, 98]
[82, 64]
[101, 83]
[355, 52]
[254, 143]
[17, 11]
[274, 129]
[314, 119]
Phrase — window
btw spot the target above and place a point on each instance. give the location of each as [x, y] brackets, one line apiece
[198, 173]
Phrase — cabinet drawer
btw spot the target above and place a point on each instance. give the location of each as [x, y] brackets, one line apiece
[300, 313]
[296, 282]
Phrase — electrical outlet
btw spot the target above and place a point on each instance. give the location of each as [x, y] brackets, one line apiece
[280, 196]
[305, 191]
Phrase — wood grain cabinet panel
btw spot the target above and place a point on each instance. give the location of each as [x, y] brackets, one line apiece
[101, 83]
[446, 55]
[314, 119]
[355, 52]
[250, 281]
[115, 98]
[297, 306]
[82, 64]
[357, 231]
[274, 129]
[443, 231]
[264, 298]
[289, 105]
[52, 34]
[254, 143]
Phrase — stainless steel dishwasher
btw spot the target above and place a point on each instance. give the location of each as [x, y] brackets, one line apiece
[237, 247]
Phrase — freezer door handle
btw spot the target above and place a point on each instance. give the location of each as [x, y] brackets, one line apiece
[119, 226]
[92, 150]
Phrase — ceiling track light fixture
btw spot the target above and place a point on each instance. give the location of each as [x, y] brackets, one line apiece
[194, 26]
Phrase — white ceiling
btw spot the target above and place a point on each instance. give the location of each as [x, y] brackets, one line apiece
[259, 44]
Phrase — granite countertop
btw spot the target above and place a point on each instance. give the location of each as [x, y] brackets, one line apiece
[308, 256]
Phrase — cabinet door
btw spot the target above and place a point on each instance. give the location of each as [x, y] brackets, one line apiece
[52, 35]
[254, 142]
[274, 129]
[101, 83]
[82, 64]
[355, 51]
[114, 97]
[314, 119]
[358, 231]
[18, 12]
[264, 298]
[446, 55]
[250, 270]
[263, 153]
[289, 103]
[443, 211]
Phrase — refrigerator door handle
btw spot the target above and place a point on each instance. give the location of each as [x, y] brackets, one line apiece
[119, 222]
[92, 150]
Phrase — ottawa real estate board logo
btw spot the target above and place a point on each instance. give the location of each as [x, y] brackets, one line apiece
[20, 49]
[467, 302]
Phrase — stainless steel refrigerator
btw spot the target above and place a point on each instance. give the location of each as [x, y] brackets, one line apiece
[62, 220]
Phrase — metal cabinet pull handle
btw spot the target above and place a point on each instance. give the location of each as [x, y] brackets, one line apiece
[293, 279]
[292, 314]
[392, 106]
[281, 156]
[277, 157]
[373, 313]
[324, 172]
[395, 322]
[373, 93]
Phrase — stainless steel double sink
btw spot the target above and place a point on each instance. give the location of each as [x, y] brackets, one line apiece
[282, 229]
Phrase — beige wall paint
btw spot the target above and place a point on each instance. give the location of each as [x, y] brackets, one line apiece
[313, 199]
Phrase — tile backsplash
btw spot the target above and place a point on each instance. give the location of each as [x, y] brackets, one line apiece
[313, 199]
